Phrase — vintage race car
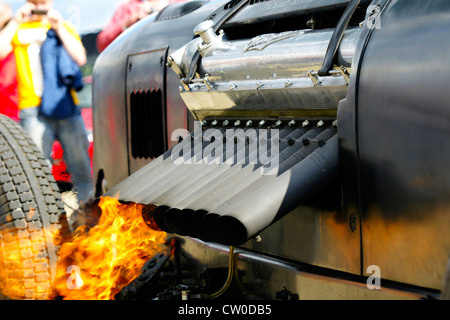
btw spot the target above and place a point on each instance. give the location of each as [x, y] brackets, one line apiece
[293, 149]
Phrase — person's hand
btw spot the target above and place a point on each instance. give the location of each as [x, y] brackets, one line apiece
[23, 14]
[55, 19]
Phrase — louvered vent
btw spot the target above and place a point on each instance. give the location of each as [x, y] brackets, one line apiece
[147, 124]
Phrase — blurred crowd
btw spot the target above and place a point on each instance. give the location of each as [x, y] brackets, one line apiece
[41, 56]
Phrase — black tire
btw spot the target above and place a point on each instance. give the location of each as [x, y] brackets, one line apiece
[31, 215]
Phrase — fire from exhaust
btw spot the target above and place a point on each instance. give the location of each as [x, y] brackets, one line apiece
[95, 265]
[100, 261]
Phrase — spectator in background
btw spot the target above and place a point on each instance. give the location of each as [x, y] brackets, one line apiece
[8, 75]
[40, 38]
[126, 15]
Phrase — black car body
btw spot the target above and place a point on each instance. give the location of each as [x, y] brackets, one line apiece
[371, 203]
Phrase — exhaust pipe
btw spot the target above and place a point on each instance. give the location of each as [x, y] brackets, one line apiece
[244, 201]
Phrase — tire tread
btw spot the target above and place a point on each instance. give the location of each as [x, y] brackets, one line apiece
[30, 203]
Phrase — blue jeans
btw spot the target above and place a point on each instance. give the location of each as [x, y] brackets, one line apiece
[71, 133]
[31, 124]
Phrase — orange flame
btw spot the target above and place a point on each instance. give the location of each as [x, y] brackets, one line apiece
[96, 264]
[100, 262]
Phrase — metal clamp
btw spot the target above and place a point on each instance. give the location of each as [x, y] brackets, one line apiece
[314, 75]
[205, 81]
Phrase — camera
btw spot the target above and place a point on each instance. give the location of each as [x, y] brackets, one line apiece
[38, 12]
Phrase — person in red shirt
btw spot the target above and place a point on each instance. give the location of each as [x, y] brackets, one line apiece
[126, 15]
[8, 74]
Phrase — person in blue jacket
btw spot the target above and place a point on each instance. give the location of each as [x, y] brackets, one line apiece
[49, 54]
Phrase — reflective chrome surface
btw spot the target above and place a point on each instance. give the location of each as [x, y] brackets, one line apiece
[231, 83]
[286, 55]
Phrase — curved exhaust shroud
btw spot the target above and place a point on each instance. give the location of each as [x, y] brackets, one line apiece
[233, 201]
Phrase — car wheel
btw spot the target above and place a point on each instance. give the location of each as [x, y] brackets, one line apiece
[33, 223]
